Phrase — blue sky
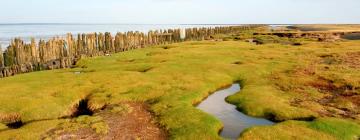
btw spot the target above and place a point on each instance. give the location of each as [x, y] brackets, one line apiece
[180, 11]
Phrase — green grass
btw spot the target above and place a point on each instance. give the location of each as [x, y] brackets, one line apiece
[324, 128]
[348, 130]
[34, 130]
[172, 79]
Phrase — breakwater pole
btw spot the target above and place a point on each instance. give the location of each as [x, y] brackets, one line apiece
[56, 53]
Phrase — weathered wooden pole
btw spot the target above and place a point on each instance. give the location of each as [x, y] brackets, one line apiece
[100, 41]
[91, 44]
[143, 40]
[122, 41]
[149, 38]
[78, 46]
[84, 45]
[42, 45]
[117, 42]
[1, 59]
[70, 45]
[9, 57]
[131, 40]
[34, 52]
[108, 42]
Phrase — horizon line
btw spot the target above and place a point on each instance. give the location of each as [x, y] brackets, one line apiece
[82, 23]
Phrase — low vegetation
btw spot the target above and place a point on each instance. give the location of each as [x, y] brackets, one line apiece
[324, 128]
[324, 28]
[312, 90]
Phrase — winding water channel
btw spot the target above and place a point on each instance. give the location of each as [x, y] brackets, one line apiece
[234, 121]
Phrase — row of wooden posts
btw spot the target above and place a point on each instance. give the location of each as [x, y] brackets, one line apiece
[60, 52]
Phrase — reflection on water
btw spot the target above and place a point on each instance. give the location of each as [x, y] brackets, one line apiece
[234, 121]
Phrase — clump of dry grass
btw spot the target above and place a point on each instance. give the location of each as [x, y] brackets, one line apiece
[9, 118]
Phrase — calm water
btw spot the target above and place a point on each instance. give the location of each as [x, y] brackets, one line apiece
[352, 36]
[234, 121]
[45, 31]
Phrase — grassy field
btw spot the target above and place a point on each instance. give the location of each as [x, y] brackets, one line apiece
[312, 90]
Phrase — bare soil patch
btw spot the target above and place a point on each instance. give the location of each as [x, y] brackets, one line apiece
[336, 96]
[138, 123]
[352, 59]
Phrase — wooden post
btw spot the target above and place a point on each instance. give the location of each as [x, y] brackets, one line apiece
[1, 59]
[33, 51]
[9, 56]
[149, 37]
[108, 42]
[42, 45]
[70, 45]
[91, 44]
[119, 42]
[100, 41]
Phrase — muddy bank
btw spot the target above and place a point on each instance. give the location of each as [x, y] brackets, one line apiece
[127, 121]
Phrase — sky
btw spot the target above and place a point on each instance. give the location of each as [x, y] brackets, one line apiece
[180, 11]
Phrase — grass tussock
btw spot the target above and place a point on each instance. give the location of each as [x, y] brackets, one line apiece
[10, 118]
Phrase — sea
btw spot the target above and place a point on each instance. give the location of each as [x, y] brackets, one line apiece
[44, 31]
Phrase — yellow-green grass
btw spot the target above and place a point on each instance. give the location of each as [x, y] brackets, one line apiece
[172, 79]
[329, 27]
[31, 131]
[324, 128]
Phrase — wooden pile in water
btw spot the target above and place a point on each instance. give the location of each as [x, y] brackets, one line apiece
[21, 57]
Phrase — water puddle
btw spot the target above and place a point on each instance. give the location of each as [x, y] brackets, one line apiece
[234, 121]
[351, 36]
